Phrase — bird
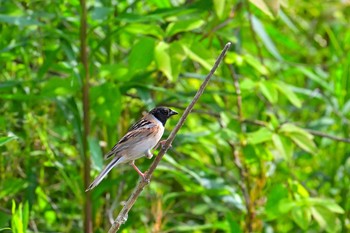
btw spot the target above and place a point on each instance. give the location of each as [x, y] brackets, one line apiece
[140, 139]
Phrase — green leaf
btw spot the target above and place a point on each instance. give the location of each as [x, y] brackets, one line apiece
[101, 13]
[106, 103]
[302, 216]
[256, 64]
[314, 77]
[299, 136]
[60, 87]
[233, 225]
[270, 46]
[163, 59]
[117, 72]
[283, 146]
[219, 7]
[287, 92]
[183, 26]
[325, 218]
[328, 204]
[19, 20]
[269, 7]
[286, 205]
[277, 193]
[248, 84]
[96, 153]
[304, 142]
[11, 186]
[196, 58]
[25, 217]
[141, 54]
[269, 91]
[177, 57]
[260, 136]
[145, 29]
[6, 139]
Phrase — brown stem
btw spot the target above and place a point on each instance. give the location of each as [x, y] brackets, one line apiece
[123, 215]
[324, 135]
[86, 117]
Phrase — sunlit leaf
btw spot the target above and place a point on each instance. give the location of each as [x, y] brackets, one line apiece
[260, 30]
[141, 54]
[302, 216]
[4, 140]
[269, 91]
[219, 6]
[260, 136]
[145, 29]
[96, 153]
[325, 218]
[106, 103]
[18, 20]
[269, 7]
[183, 26]
[303, 141]
[283, 146]
[256, 64]
[163, 59]
[301, 137]
[287, 92]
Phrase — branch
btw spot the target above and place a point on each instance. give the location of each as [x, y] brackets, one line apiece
[86, 115]
[123, 214]
[324, 135]
[244, 182]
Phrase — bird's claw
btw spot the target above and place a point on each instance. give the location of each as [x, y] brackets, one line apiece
[162, 143]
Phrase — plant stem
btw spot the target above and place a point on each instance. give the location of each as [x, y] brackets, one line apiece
[86, 116]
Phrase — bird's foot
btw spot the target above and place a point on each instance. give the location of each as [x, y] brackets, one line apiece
[143, 175]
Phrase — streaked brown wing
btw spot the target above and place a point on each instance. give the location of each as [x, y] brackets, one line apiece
[138, 132]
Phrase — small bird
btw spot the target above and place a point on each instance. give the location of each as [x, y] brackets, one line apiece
[141, 138]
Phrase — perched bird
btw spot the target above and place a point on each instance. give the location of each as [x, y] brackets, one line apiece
[141, 138]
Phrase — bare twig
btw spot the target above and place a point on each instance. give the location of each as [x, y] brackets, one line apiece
[324, 135]
[86, 116]
[123, 215]
[244, 183]
[264, 124]
[245, 186]
[238, 93]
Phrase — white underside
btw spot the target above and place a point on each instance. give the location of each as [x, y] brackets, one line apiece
[143, 147]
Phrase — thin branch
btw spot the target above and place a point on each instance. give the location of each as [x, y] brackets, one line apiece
[236, 151]
[238, 92]
[86, 115]
[264, 124]
[123, 215]
[324, 135]
[245, 186]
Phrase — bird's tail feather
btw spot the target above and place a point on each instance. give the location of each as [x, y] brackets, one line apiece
[104, 172]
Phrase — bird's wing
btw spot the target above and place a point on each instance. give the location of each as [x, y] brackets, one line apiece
[138, 132]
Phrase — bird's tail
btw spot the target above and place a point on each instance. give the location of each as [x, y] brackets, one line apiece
[104, 172]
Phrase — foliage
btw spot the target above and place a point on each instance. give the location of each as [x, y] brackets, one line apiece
[264, 150]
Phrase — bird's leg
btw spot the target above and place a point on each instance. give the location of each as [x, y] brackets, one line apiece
[132, 163]
[148, 154]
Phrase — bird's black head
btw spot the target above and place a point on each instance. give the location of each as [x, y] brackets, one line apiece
[162, 113]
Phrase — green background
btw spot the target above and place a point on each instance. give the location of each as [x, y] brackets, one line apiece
[266, 148]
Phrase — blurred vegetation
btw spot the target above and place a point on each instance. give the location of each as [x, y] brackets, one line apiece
[265, 150]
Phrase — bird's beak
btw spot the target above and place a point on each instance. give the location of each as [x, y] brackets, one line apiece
[172, 112]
